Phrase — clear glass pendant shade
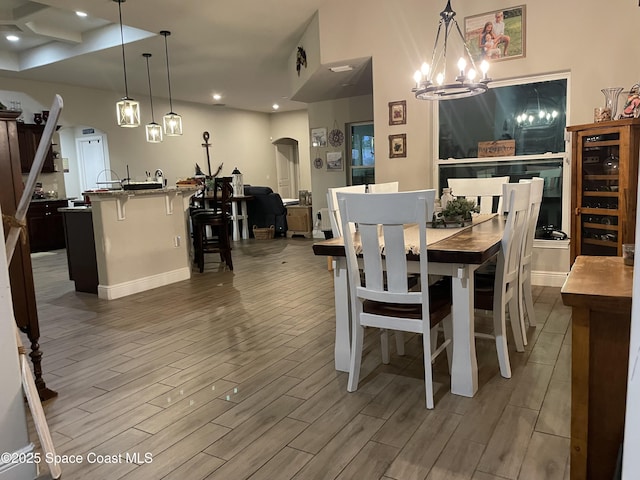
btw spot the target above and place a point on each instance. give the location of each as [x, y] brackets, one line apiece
[154, 132]
[172, 124]
[128, 112]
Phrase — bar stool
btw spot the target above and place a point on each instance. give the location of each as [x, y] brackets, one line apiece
[211, 225]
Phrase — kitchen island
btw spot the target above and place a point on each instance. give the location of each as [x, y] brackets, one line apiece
[141, 239]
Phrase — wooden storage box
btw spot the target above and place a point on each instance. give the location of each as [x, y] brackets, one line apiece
[299, 221]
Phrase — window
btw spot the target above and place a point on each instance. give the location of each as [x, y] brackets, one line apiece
[549, 169]
[530, 115]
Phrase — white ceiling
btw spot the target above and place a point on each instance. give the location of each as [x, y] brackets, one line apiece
[237, 48]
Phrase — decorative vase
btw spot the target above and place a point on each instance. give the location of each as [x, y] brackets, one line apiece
[611, 99]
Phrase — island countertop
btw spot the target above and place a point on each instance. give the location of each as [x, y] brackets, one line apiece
[81, 209]
[52, 199]
[150, 191]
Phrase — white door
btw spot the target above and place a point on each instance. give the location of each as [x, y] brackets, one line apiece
[287, 169]
[93, 163]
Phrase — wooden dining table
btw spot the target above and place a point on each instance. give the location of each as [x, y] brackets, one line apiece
[455, 253]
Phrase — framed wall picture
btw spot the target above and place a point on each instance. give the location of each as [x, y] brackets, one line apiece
[496, 35]
[398, 145]
[318, 137]
[398, 112]
[334, 162]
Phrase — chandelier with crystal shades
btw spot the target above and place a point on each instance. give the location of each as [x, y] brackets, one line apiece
[438, 81]
[127, 109]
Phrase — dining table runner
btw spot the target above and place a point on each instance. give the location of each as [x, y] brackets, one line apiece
[435, 235]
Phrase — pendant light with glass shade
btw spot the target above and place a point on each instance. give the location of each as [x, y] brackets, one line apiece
[172, 122]
[127, 109]
[153, 130]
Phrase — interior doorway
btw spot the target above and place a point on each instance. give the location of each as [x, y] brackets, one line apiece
[93, 163]
[287, 167]
[361, 153]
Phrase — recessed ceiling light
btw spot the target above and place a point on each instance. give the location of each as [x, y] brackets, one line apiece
[276, 106]
[217, 96]
[81, 14]
[341, 68]
[12, 38]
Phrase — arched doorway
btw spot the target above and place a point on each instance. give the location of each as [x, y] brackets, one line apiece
[287, 167]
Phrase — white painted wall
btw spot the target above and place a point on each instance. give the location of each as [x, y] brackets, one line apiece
[557, 34]
[330, 114]
[239, 138]
[295, 125]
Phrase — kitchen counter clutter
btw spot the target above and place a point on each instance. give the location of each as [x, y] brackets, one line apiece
[141, 238]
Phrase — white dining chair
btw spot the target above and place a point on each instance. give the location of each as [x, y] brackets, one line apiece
[381, 297]
[332, 203]
[482, 190]
[495, 290]
[525, 295]
[387, 187]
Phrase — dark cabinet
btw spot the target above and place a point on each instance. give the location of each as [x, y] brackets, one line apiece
[20, 272]
[45, 225]
[28, 139]
[81, 248]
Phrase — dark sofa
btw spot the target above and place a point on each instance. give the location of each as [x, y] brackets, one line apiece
[265, 209]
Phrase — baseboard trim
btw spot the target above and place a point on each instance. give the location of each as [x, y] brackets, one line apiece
[548, 279]
[20, 469]
[111, 292]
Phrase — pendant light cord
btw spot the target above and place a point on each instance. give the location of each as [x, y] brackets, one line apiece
[166, 51]
[147, 55]
[124, 62]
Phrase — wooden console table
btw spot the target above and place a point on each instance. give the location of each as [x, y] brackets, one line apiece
[599, 290]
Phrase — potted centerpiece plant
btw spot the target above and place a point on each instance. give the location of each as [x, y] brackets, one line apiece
[458, 212]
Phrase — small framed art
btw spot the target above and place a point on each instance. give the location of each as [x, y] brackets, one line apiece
[398, 112]
[319, 137]
[334, 162]
[398, 145]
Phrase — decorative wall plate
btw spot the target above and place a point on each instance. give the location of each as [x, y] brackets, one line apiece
[318, 162]
[336, 137]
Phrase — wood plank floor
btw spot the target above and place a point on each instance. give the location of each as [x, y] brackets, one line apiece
[230, 375]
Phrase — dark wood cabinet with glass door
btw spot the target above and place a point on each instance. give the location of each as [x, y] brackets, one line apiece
[604, 186]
